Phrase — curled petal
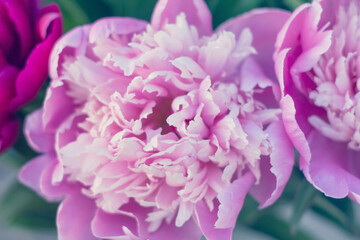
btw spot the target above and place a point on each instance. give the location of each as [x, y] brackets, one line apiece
[106, 27]
[235, 193]
[74, 42]
[197, 14]
[113, 226]
[37, 137]
[295, 133]
[277, 171]
[264, 35]
[31, 172]
[206, 220]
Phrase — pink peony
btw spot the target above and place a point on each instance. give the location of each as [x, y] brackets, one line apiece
[28, 34]
[318, 66]
[159, 131]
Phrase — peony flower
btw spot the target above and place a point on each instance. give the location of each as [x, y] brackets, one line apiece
[318, 67]
[28, 34]
[159, 131]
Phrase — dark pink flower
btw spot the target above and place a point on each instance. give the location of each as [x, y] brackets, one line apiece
[160, 130]
[28, 34]
[318, 67]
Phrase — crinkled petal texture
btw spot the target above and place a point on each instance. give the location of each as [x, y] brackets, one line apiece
[317, 62]
[160, 130]
[28, 34]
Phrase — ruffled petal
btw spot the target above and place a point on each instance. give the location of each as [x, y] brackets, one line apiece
[264, 35]
[206, 220]
[276, 170]
[235, 193]
[71, 44]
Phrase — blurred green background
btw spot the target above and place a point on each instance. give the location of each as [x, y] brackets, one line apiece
[302, 213]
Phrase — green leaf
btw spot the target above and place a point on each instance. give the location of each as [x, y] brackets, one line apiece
[278, 228]
[23, 207]
[13, 157]
[303, 200]
[292, 4]
[135, 9]
[73, 14]
[339, 211]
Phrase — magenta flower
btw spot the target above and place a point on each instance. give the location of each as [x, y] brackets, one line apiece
[318, 67]
[28, 34]
[159, 131]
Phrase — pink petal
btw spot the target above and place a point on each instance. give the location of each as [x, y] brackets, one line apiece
[331, 7]
[106, 27]
[235, 193]
[51, 185]
[288, 49]
[31, 172]
[314, 43]
[206, 221]
[276, 171]
[293, 129]
[189, 231]
[197, 14]
[293, 24]
[71, 44]
[74, 217]
[37, 137]
[57, 101]
[333, 169]
[110, 226]
[264, 35]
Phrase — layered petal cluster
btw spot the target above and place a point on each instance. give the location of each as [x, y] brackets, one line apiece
[317, 61]
[158, 131]
[28, 34]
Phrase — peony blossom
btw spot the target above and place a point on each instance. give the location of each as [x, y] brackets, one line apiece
[318, 67]
[159, 131]
[28, 34]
